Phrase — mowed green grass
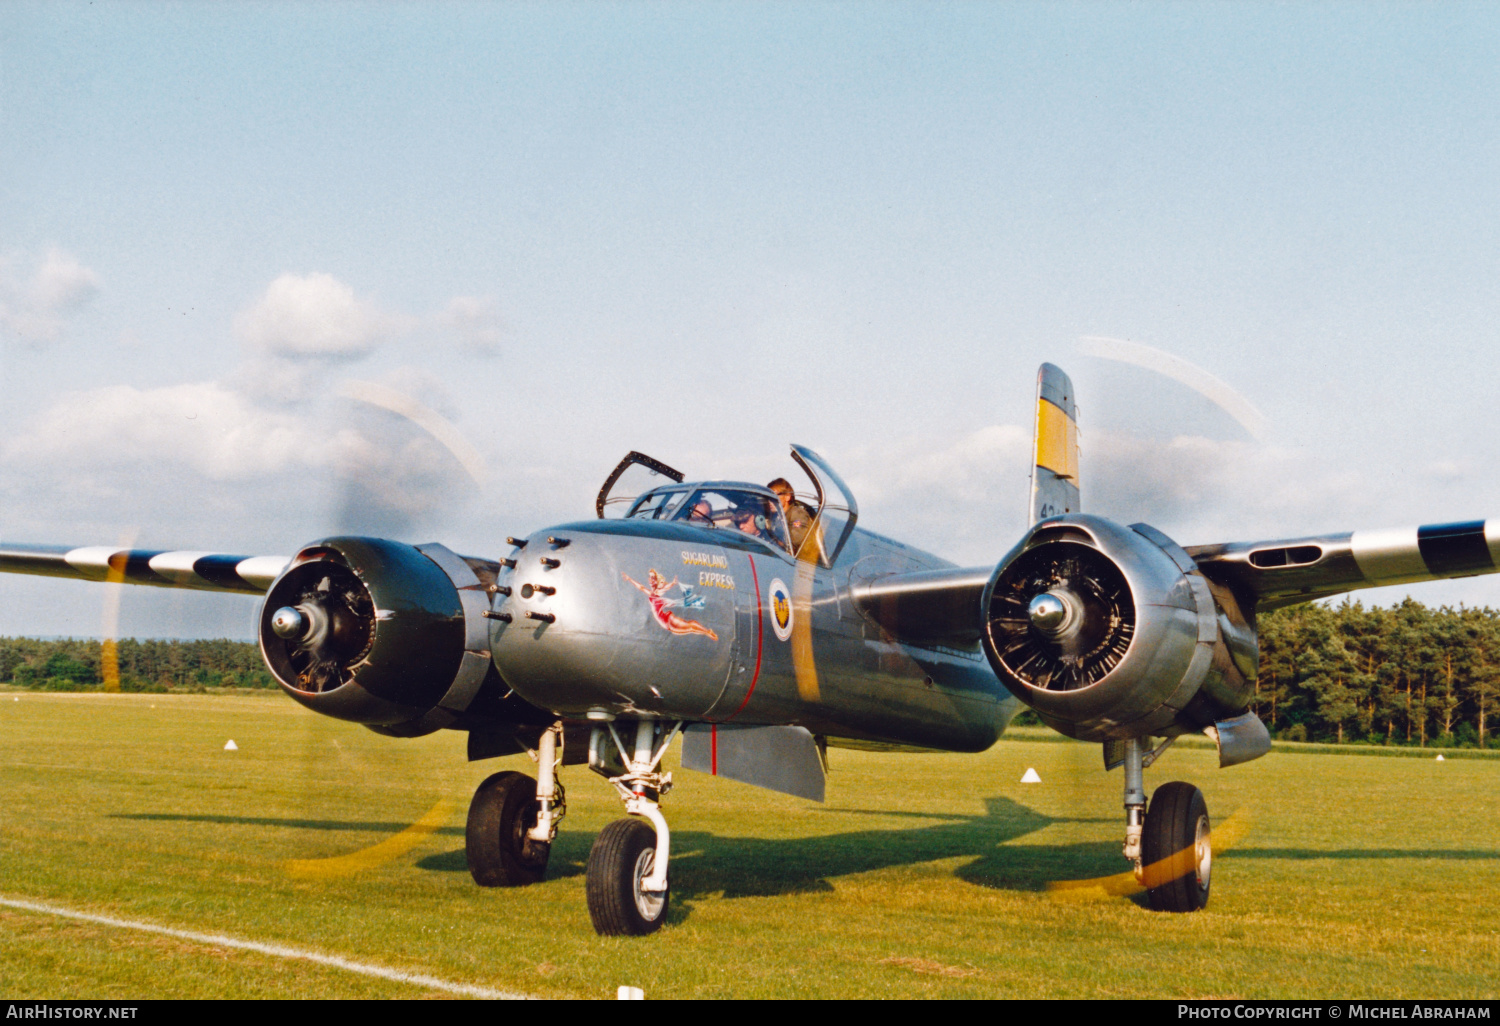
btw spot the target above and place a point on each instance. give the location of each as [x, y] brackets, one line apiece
[923, 875]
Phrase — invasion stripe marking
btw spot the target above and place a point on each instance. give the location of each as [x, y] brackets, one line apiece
[135, 566]
[1389, 555]
[176, 568]
[1452, 549]
[90, 561]
[260, 571]
[219, 569]
[274, 950]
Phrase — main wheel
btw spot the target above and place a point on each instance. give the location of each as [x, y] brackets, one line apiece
[499, 852]
[623, 855]
[1175, 849]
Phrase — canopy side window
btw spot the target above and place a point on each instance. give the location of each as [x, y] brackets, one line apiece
[636, 474]
[836, 512]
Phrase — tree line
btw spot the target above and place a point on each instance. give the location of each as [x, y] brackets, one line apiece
[1406, 675]
[131, 665]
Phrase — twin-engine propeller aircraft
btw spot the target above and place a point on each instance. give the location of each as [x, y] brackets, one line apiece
[766, 628]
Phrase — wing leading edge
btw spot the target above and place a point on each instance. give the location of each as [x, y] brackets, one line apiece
[203, 571]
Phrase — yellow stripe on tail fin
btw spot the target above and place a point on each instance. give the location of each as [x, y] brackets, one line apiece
[1054, 477]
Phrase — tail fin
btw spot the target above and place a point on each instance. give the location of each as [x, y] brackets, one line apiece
[1054, 479]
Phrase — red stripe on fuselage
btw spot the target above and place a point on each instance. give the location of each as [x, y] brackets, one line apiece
[759, 641]
[713, 747]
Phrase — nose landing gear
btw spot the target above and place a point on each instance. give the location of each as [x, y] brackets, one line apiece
[627, 869]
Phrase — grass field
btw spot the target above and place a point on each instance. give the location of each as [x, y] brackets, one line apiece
[1358, 876]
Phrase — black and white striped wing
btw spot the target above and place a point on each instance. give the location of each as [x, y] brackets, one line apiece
[204, 571]
[1282, 573]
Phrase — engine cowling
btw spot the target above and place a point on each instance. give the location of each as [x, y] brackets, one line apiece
[378, 632]
[1111, 632]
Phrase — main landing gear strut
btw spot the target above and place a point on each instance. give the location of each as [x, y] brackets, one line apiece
[513, 820]
[1169, 843]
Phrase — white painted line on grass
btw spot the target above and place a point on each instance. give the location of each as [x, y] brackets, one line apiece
[274, 950]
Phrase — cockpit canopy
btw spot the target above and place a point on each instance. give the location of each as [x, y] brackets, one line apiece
[822, 521]
[732, 506]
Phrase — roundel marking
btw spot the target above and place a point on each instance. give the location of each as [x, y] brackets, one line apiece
[781, 609]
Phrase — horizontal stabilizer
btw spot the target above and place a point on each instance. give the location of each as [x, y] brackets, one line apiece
[204, 571]
[1282, 573]
[784, 759]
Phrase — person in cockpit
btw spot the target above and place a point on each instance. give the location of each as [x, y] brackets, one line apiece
[760, 518]
[799, 517]
[701, 514]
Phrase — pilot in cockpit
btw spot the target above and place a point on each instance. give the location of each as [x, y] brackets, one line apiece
[799, 517]
[760, 518]
[702, 514]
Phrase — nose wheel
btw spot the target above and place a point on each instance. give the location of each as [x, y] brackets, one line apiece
[626, 879]
[622, 859]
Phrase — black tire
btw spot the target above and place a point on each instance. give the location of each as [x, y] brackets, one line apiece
[499, 852]
[623, 854]
[1176, 850]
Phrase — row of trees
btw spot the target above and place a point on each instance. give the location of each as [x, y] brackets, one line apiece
[1404, 675]
[131, 665]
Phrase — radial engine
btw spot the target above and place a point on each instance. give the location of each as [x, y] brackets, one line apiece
[380, 633]
[1111, 633]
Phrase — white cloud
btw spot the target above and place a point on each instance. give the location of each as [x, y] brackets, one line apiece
[316, 316]
[201, 426]
[476, 322]
[34, 307]
[967, 499]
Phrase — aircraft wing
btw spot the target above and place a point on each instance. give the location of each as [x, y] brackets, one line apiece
[204, 571]
[933, 607]
[1288, 571]
[942, 606]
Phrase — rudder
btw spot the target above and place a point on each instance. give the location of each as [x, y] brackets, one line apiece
[1054, 475]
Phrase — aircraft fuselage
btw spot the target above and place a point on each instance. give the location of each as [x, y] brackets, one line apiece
[673, 620]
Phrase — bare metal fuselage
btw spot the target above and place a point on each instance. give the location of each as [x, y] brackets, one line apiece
[737, 631]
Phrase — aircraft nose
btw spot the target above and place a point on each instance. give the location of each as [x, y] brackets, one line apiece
[597, 619]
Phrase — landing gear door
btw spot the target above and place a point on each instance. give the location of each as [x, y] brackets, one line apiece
[836, 511]
[637, 473]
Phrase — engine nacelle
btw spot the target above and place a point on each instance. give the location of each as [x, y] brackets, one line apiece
[1111, 632]
[377, 632]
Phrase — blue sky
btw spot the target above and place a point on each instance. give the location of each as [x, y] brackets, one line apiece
[706, 231]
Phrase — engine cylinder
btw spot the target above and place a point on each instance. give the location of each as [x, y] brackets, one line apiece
[377, 632]
[1110, 632]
